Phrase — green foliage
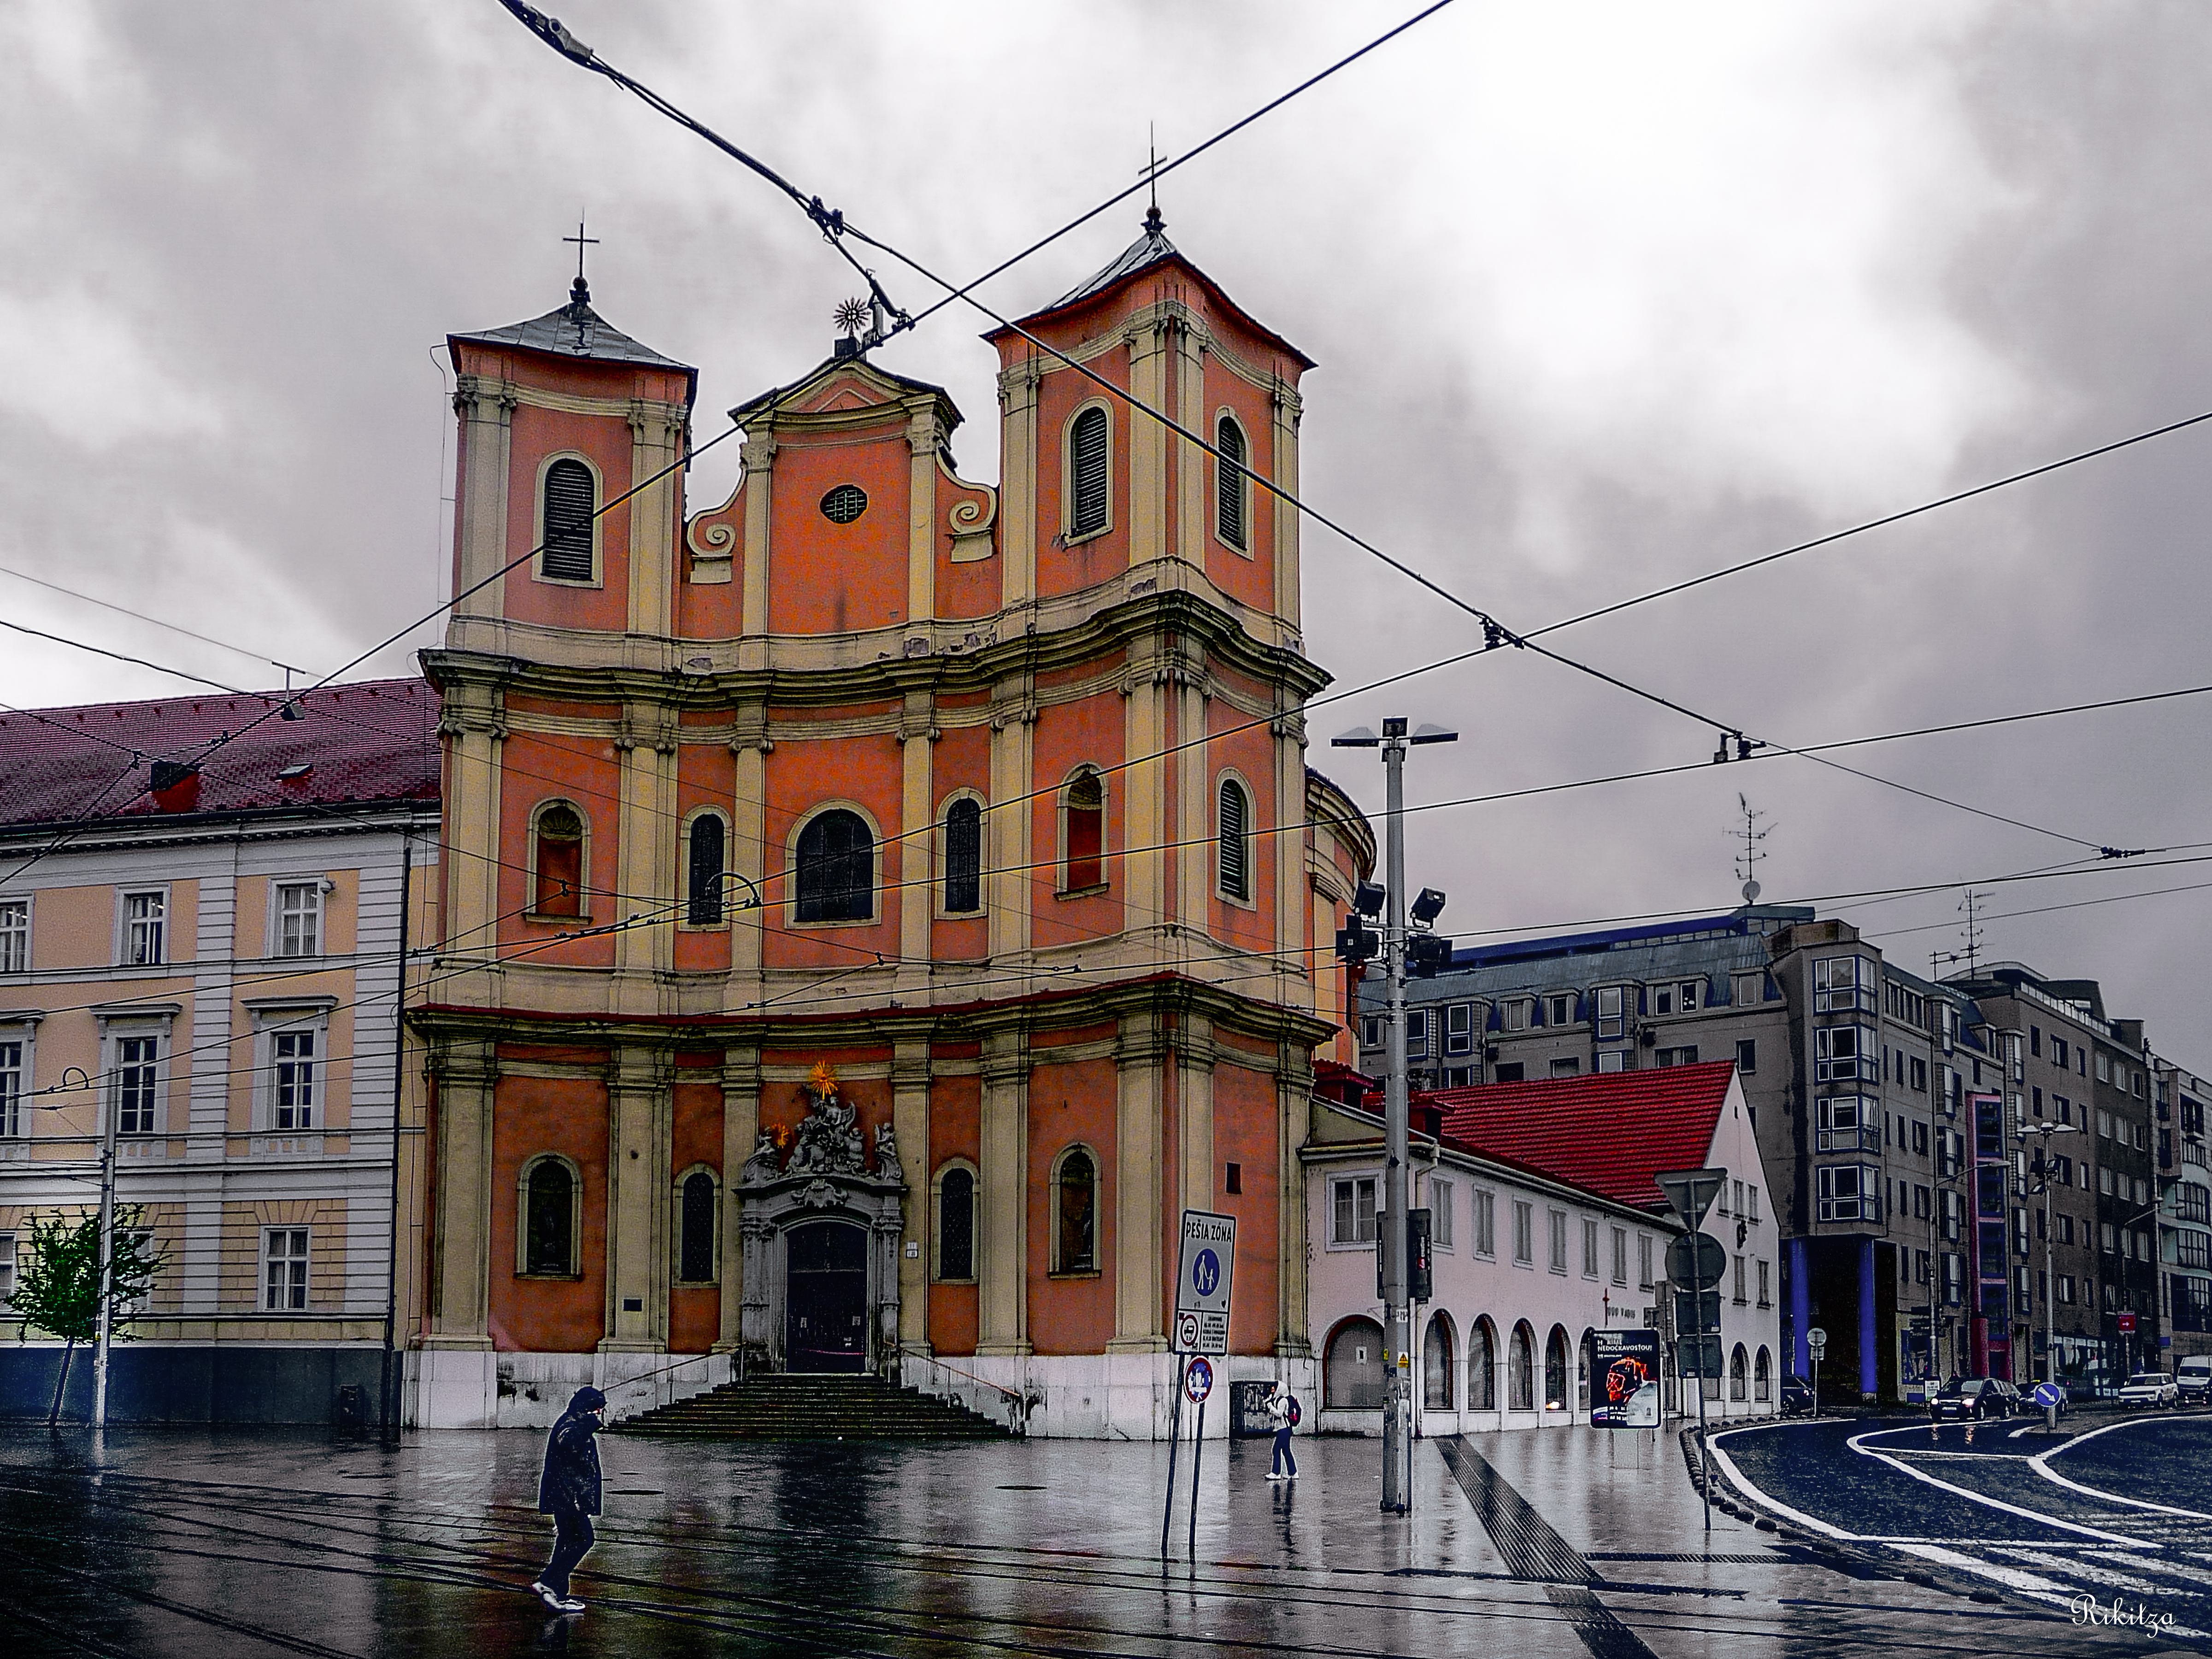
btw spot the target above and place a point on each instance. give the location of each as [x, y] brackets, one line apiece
[57, 1290]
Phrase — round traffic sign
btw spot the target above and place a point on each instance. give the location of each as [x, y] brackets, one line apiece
[1186, 1332]
[1198, 1380]
[2049, 1393]
[1206, 1272]
[1816, 1338]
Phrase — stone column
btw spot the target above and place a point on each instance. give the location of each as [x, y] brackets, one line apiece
[655, 514]
[1139, 1212]
[481, 475]
[645, 855]
[473, 719]
[748, 854]
[1294, 985]
[923, 437]
[1194, 522]
[1194, 805]
[1194, 1056]
[1147, 503]
[467, 1072]
[884, 1232]
[757, 456]
[910, 1124]
[1011, 879]
[1294, 1079]
[1002, 1289]
[1284, 459]
[640, 1136]
[741, 1086]
[914, 867]
[763, 1345]
[1018, 492]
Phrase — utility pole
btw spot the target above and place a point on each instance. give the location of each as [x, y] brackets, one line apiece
[1391, 1238]
[106, 1257]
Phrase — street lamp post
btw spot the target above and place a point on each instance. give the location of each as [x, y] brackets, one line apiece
[1391, 1239]
[2050, 1309]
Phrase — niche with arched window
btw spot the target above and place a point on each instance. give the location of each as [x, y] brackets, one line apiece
[552, 1200]
[706, 858]
[695, 1228]
[557, 860]
[1231, 496]
[1233, 827]
[956, 1224]
[1075, 1194]
[1083, 810]
[1436, 1366]
[1482, 1368]
[1352, 1367]
[1556, 1362]
[570, 499]
[1762, 1377]
[1739, 1373]
[1521, 1370]
[964, 856]
[837, 858]
[1089, 497]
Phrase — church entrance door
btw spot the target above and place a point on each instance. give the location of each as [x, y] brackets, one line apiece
[825, 1298]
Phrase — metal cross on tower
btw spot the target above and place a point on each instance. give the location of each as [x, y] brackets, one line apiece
[581, 242]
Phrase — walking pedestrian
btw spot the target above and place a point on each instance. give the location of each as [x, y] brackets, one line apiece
[569, 1491]
[1282, 1412]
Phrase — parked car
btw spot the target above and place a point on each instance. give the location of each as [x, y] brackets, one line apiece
[2192, 1379]
[1974, 1398]
[1796, 1397]
[2152, 1388]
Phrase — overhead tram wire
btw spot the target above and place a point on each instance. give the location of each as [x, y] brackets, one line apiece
[141, 616]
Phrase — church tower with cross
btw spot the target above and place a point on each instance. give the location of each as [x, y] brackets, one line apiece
[876, 905]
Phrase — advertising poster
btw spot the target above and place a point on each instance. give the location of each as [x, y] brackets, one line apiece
[1625, 1361]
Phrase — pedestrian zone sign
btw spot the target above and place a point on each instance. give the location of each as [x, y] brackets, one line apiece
[1204, 1270]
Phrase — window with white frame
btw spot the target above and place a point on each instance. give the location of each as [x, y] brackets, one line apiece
[1560, 1008]
[1416, 1033]
[1485, 1222]
[1352, 1206]
[1842, 985]
[1440, 1213]
[1846, 1054]
[1514, 1014]
[1614, 1060]
[1611, 1019]
[1370, 1031]
[15, 1056]
[1590, 1247]
[135, 1084]
[1459, 1028]
[6, 1266]
[1747, 988]
[1752, 1191]
[291, 1084]
[1643, 1279]
[299, 919]
[1739, 1281]
[1524, 1230]
[1620, 1256]
[1674, 997]
[283, 1269]
[145, 928]
[1558, 1219]
[1766, 1281]
[1849, 1191]
[14, 935]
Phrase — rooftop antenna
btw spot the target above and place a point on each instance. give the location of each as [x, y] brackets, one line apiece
[1752, 835]
[1972, 930]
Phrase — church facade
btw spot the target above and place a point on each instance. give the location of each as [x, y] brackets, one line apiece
[873, 908]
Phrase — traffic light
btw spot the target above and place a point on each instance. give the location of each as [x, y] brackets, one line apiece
[1357, 942]
[1420, 1267]
[1427, 954]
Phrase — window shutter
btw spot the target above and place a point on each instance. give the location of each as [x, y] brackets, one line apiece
[964, 856]
[1235, 847]
[1087, 455]
[1229, 481]
[568, 503]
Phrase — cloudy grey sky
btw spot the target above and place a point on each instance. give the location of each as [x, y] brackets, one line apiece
[1603, 295]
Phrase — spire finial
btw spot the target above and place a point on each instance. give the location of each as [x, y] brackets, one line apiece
[579, 292]
[1153, 222]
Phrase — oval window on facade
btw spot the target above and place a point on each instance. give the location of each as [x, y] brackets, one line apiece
[844, 504]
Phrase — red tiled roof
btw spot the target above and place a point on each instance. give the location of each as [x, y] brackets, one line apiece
[376, 740]
[1610, 1132]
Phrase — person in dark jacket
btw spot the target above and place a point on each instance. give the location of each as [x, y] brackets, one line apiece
[569, 1491]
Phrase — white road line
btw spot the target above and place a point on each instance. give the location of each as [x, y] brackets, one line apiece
[1853, 1442]
[2042, 1467]
[1729, 1467]
[2028, 1583]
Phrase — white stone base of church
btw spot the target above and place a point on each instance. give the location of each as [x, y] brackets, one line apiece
[1109, 1396]
[472, 1388]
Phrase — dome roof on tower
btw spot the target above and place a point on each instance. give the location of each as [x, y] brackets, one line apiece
[575, 331]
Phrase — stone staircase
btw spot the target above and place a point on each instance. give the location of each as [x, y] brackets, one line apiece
[812, 1408]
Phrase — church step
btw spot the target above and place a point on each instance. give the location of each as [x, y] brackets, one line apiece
[813, 1407]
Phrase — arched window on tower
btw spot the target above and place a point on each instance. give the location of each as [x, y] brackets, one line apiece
[703, 888]
[559, 862]
[964, 856]
[1234, 824]
[695, 1257]
[550, 1224]
[1087, 492]
[836, 868]
[1086, 833]
[1229, 491]
[570, 497]
[1078, 1189]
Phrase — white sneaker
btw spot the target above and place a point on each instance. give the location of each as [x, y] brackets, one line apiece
[545, 1594]
[567, 1604]
[1293, 1475]
[1273, 1476]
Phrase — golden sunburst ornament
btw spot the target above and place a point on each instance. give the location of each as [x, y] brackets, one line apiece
[822, 1081]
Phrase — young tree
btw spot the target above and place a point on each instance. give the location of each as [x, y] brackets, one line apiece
[58, 1290]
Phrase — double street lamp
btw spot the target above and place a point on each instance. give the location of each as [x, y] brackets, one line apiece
[2042, 1167]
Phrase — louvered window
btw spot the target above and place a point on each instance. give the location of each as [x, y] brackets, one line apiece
[1086, 449]
[1228, 481]
[964, 856]
[568, 503]
[1236, 836]
[705, 896]
[836, 869]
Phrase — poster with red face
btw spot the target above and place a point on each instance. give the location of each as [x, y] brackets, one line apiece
[1625, 1361]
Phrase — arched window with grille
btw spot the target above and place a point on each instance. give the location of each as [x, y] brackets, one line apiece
[549, 1222]
[964, 856]
[571, 497]
[1234, 828]
[836, 868]
[1085, 809]
[1088, 494]
[694, 1262]
[956, 1224]
[1229, 488]
[703, 885]
[557, 865]
[1077, 1190]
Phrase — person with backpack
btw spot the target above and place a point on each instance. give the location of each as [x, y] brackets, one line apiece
[569, 1491]
[1284, 1414]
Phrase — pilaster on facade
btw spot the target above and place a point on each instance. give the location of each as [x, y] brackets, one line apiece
[741, 1095]
[657, 434]
[910, 1083]
[758, 458]
[1002, 1271]
[1141, 1059]
[486, 409]
[1294, 1094]
[466, 1075]
[640, 1136]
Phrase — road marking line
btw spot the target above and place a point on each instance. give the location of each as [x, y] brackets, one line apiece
[1992, 1503]
[1729, 1467]
[2042, 1467]
[2013, 1577]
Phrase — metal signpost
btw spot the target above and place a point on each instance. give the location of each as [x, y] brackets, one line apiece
[1691, 1193]
[1816, 1344]
[1206, 1272]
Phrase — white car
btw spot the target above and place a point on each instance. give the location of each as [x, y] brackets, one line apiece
[2150, 1389]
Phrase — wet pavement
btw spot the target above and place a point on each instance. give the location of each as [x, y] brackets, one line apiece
[1568, 1542]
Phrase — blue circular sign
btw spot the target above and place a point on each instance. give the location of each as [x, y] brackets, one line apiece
[2048, 1394]
[1198, 1380]
[1206, 1272]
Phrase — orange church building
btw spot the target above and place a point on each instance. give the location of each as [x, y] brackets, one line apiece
[873, 908]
